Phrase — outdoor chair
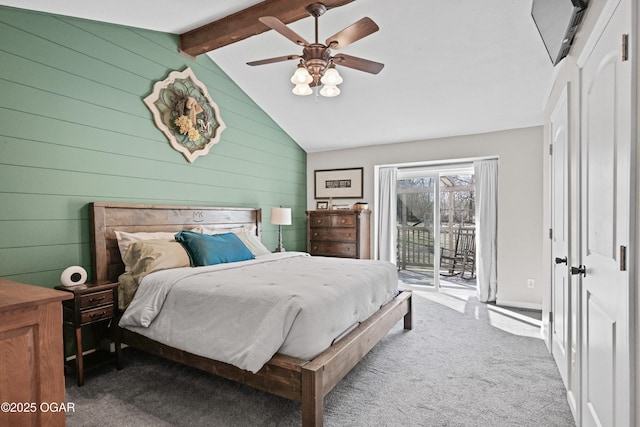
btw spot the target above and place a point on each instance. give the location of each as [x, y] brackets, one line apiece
[462, 258]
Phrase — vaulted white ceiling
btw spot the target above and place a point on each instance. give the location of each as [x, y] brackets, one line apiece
[452, 67]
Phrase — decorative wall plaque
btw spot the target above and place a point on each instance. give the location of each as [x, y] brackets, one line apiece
[183, 110]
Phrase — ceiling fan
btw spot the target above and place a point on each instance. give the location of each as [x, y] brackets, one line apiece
[317, 66]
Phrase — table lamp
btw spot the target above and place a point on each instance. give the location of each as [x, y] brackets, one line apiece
[280, 216]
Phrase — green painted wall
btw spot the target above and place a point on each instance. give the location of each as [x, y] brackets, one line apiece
[74, 129]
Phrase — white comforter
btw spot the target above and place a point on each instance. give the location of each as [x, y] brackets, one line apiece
[243, 313]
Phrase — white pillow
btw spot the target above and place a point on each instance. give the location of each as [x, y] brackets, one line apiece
[126, 239]
[246, 234]
[252, 242]
[216, 230]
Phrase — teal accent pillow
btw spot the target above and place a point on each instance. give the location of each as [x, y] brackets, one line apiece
[205, 249]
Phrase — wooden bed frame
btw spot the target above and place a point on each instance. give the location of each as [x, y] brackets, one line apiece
[303, 381]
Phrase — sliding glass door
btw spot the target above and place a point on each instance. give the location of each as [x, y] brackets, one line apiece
[418, 227]
[435, 220]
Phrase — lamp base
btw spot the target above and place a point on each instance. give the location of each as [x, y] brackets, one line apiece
[280, 247]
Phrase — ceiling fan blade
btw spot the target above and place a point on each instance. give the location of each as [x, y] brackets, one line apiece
[358, 63]
[352, 33]
[272, 60]
[276, 24]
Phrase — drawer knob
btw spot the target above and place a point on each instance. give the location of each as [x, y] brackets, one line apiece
[97, 299]
[101, 314]
[348, 234]
[315, 248]
[319, 221]
[315, 234]
[342, 221]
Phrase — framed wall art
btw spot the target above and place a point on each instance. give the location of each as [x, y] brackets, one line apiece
[183, 110]
[339, 183]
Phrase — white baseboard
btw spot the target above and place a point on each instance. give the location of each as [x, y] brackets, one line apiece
[519, 304]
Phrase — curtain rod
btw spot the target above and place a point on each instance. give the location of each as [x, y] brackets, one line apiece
[436, 162]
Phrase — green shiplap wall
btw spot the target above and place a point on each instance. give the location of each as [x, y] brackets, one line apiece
[74, 129]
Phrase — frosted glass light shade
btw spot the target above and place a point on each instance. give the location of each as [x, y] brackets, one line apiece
[302, 90]
[281, 216]
[301, 76]
[330, 91]
[331, 77]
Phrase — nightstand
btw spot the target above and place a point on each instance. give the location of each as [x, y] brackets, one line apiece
[92, 303]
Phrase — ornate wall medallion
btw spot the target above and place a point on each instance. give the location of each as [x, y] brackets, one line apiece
[183, 110]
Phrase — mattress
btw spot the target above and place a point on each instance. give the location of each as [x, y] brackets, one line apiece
[243, 313]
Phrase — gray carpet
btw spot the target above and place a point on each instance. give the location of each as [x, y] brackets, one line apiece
[455, 368]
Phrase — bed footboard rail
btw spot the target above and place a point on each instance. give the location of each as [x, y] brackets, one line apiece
[307, 382]
[279, 376]
[321, 375]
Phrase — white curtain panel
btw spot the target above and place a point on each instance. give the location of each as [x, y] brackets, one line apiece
[387, 206]
[486, 174]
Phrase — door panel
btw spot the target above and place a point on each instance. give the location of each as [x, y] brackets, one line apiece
[605, 219]
[418, 229]
[560, 290]
[601, 157]
[601, 358]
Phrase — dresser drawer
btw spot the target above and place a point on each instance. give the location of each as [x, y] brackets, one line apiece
[332, 220]
[320, 220]
[95, 299]
[343, 220]
[337, 249]
[95, 314]
[333, 234]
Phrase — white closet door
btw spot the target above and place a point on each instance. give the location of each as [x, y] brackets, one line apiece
[605, 215]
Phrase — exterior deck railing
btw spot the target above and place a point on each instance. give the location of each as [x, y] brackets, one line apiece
[415, 244]
[414, 247]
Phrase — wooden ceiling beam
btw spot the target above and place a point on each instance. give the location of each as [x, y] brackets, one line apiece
[244, 24]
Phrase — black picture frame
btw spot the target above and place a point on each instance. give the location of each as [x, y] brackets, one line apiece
[347, 183]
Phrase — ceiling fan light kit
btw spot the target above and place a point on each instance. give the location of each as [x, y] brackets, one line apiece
[317, 66]
[302, 90]
[329, 91]
[331, 76]
[301, 76]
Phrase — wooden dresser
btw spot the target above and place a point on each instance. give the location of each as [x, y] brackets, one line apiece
[339, 233]
[31, 355]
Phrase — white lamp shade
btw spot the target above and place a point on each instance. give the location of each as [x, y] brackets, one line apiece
[301, 77]
[281, 216]
[302, 90]
[329, 91]
[331, 77]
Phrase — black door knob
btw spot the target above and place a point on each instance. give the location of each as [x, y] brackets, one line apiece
[579, 270]
[561, 260]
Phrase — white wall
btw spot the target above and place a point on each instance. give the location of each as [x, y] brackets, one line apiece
[519, 195]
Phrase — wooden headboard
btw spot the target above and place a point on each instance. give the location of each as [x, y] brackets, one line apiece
[105, 218]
